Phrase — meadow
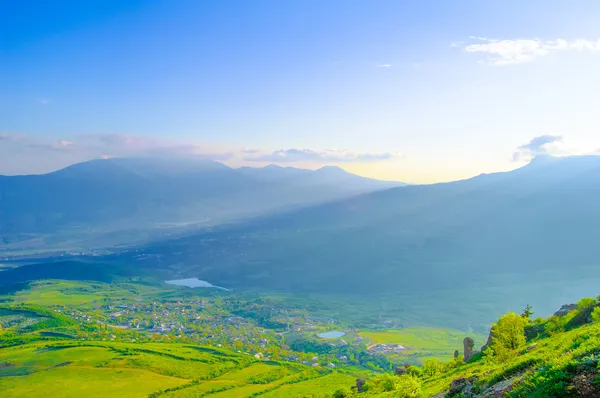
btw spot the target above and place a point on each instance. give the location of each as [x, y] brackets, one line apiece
[116, 369]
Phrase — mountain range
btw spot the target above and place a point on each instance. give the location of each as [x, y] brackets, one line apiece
[140, 193]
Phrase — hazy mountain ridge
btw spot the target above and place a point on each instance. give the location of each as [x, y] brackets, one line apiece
[142, 191]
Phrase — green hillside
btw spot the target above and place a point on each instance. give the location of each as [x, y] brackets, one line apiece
[542, 358]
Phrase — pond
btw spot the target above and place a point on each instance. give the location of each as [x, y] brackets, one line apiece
[193, 282]
[334, 334]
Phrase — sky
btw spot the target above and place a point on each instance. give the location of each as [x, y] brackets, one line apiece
[414, 91]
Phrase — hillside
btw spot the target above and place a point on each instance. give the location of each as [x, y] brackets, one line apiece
[464, 248]
[554, 357]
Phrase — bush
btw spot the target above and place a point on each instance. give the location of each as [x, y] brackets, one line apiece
[455, 363]
[414, 371]
[432, 367]
[596, 315]
[408, 387]
[508, 336]
[586, 303]
[405, 386]
[342, 393]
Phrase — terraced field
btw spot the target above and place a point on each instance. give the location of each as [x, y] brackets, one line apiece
[117, 369]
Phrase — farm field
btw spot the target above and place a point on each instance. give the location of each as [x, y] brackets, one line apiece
[115, 369]
[422, 342]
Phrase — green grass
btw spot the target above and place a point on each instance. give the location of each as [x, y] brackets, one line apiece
[78, 381]
[325, 384]
[423, 342]
[117, 369]
[203, 388]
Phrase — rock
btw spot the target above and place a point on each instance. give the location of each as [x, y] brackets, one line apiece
[531, 347]
[456, 354]
[488, 342]
[468, 345]
[462, 387]
[399, 371]
[584, 384]
[565, 309]
[533, 331]
[500, 389]
[360, 383]
[581, 318]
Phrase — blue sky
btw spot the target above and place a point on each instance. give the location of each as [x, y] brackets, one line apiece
[418, 91]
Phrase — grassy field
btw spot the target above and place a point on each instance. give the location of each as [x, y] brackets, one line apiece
[117, 369]
[423, 342]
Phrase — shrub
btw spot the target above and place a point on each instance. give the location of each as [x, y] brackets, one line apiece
[596, 315]
[342, 393]
[586, 303]
[432, 367]
[455, 363]
[405, 386]
[508, 335]
[408, 387]
[414, 371]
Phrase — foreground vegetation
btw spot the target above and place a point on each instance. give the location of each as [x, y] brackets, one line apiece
[139, 338]
[554, 357]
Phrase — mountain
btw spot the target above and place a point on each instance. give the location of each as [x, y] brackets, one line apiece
[491, 238]
[123, 193]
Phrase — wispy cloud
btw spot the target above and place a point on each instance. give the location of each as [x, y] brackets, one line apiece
[24, 154]
[541, 145]
[518, 51]
[44, 101]
[324, 156]
[384, 65]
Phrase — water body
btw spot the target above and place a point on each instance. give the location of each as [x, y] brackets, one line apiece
[193, 282]
[334, 334]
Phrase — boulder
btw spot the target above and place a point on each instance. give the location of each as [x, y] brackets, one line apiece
[360, 383]
[468, 345]
[462, 387]
[400, 370]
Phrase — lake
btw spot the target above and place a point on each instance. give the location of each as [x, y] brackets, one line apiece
[193, 282]
[334, 334]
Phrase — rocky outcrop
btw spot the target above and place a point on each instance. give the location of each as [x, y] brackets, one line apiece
[533, 331]
[462, 387]
[468, 345]
[582, 317]
[360, 383]
[400, 370]
[565, 309]
[468, 388]
[489, 341]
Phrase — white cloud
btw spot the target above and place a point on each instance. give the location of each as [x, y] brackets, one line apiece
[518, 51]
[25, 154]
[322, 156]
[541, 145]
[385, 65]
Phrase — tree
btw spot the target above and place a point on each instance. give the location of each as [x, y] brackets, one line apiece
[527, 312]
[508, 334]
